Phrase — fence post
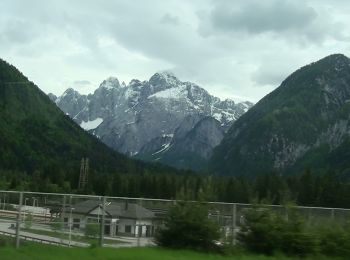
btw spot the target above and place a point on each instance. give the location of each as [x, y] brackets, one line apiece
[332, 214]
[63, 214]
[139, 228]
[309, 216]
[70, 221]
[63, 209]
[234, 219]
[19, 219]
[102, 224]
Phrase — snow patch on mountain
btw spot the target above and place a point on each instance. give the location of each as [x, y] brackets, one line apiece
[89, 125]
[164, 148]
[217, 116]
[110, 83]
[173, 93]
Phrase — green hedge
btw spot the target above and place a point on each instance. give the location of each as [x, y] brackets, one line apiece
[268, 232]
[188, 226]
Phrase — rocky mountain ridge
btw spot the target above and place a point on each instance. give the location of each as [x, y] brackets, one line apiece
[304, 123]
[150, 119]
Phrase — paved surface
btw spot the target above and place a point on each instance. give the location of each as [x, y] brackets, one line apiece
[5, 225]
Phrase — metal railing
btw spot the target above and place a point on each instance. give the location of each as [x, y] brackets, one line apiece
[85, 220]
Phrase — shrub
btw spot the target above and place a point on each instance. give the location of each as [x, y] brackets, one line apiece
[28, 223]
[265, 231]
[334, 240]
[188, 226]
[92, 230]
[3, 241]
[56, 224]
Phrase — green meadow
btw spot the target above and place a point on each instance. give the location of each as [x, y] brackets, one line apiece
[34, 251]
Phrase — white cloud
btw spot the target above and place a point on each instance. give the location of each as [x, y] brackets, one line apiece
[232, 48]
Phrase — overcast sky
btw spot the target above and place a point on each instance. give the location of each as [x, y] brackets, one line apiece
[234, 49]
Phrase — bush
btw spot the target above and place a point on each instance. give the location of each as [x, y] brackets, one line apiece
[56, 224]
[3, 241]
[334, 240]
[267, 232]
[92, 230]
[188, 226]
[28, 223]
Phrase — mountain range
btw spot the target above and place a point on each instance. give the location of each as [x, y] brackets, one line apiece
[37, 137]
[163, 119]
[302, 124]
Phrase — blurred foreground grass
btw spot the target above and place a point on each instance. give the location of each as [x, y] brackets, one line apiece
[34, 251]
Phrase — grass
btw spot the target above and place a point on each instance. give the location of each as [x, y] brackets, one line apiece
[34, 251]
[38, 252]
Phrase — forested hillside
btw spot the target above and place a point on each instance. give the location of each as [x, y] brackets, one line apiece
[37, 139]
[304, 123]
[41, 149]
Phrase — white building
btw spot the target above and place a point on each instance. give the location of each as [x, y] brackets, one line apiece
[121, 218]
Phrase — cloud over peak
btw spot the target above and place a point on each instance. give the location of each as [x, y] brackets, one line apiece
[232, 48]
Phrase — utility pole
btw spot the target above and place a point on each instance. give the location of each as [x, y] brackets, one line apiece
[84, 171]
[81, 175]
[102, 223]
[18, 225]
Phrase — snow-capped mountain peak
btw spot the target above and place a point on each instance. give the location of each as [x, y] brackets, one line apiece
[70, 93]
[110, 83]
[163, 80]
[144, 117]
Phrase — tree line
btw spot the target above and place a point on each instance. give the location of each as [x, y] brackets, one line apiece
[307, 188]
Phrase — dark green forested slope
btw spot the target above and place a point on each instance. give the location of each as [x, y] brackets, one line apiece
[36, 136]
[303, 124]
[41, 149]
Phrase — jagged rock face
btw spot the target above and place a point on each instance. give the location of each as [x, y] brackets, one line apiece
[142, 117]
[73, 102]
[52, 97]
[206, 135]
[189, 147]
[303, 123]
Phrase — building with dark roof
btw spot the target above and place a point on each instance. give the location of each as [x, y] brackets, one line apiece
[121, 218]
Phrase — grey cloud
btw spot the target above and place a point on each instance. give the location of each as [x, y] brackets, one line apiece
[88, 39]
[262, 16]
[175, 45]
[290, 20]
[170, 19]
[16, 31]
[268, 76]
[272, 71]
[82, 82]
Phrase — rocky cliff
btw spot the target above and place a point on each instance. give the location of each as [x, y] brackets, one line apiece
[161, 119]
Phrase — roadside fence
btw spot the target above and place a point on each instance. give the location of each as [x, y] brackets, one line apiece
[76, 220]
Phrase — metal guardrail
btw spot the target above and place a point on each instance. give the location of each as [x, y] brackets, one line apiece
[40, 240]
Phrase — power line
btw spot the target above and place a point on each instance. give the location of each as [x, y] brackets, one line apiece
[16, 82]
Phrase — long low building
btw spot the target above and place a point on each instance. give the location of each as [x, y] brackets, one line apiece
[121, 218]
